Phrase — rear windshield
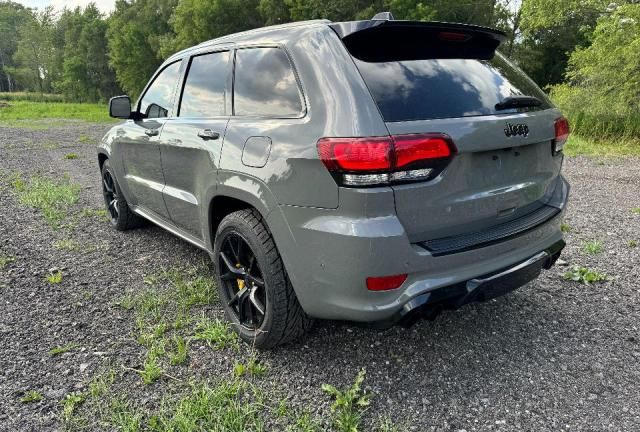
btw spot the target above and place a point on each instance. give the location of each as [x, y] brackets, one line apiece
[446, 88]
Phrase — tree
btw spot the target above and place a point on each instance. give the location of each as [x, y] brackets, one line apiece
[135, 31]
[12, 17]
[551, 30]
[196, 21]
[35, 65]
[607, 73]
[86, 74]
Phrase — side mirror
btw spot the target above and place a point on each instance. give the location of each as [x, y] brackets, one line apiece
[120, 107]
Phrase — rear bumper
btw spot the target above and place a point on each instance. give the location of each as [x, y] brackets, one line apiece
[479, 289]
[330, 253]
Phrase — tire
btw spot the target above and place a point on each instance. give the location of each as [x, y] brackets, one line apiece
[121, 216]
[283, 320]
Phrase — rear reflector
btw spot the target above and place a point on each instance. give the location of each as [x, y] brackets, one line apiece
[380, 160]
[562, 134]
[385, 283]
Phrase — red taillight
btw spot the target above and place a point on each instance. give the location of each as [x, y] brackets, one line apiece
[415, 148]
[378, 160]
[356, 154]
[562, 133]
[385, 283]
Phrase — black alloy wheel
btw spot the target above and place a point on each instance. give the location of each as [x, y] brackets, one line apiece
[243, 283]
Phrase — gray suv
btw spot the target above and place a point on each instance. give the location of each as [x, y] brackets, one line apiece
[372, 171]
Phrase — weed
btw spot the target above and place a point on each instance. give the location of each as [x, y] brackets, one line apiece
[62, 349]
[217, 334]
[631, 243]
[31, 396]
[71, 156]
[348, 405]
[54, 277]
[565, 227]
[151, 371]
[252, 368]
[635, 210]
[66, 244]
[593, 247]
[101, 214]
[99, 385]
[305, 423]
[123, 417]
[85, 139]
[179, 356]
[227, 406]
[193, 287]
[52, 198]
[70, 403]
[4, 260]
[584, 275]
[387, 425]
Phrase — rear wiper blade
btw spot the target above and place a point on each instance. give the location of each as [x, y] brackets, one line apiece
[518, 102]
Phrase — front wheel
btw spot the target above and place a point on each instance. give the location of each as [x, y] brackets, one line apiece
[121, 216]
[254, 288]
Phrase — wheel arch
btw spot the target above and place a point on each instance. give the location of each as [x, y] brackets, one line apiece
[102, 157]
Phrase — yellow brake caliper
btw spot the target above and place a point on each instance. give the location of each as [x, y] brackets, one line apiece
[240, 281]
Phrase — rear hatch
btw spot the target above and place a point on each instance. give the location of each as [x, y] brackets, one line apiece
[448, 79]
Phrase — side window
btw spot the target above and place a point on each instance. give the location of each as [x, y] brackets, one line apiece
[204, 92]
[265, 84]
[156, 102]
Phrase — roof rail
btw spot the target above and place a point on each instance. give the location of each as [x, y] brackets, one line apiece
[383, 16]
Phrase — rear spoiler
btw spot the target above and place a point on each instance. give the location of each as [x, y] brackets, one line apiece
[383, 40]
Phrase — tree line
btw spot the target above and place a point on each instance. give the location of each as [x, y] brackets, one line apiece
[580, 50]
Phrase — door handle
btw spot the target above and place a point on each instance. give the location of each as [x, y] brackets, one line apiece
[152, 132]
[208, 134]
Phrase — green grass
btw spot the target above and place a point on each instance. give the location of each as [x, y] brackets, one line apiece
[54, 277]
[30, 97]
[632, 243]
[31, 396]
[635, 210]
[66, 244]
[565, 227]
[178, 355]
[26, 110]
[70, 403]
[4, 260]
[584, 275]
[62, 349]
[348, 405]
[165, 313]
[101, 214]
[216, 333]
[251, 368]
[52, 197]
[151, 371]
[71, 156]
[578, 145]
[593, 247]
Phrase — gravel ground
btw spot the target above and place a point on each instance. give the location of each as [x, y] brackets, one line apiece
[555, 355]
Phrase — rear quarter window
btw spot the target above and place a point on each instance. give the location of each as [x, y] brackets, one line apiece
[265, 84]
[446, 88]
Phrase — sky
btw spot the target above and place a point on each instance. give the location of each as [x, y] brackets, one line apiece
[103, 5]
